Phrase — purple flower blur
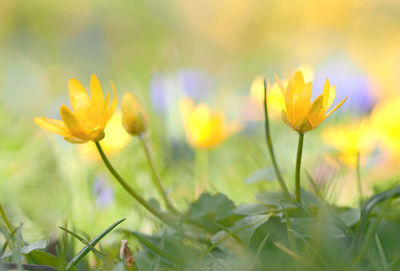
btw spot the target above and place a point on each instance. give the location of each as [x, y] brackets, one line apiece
[102, 192]
[168, 87]
[350, 81]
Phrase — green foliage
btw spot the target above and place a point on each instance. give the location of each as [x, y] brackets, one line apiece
[214, 234]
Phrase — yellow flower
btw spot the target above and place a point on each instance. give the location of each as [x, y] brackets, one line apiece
[134, 117]
[299, 113]
[90, 115]
[387, 126]
[276, 103]
[116, 139]
[205, 129]
[350, 140]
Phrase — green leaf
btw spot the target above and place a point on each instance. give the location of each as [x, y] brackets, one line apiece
[209, 209]
[78, 257]
[349, 216]
[265, 174]
[274, 199]
[243, 229]
[44, 258]
[251, 209]
[370, 205]
[378, 198]
[42, 244]
[144, 240]
[302, 226]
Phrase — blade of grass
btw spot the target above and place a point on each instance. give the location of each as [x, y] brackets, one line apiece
[291, 253]
[222, 227]
[314, 251]
[358, 173]
[381, 253]
[86, 243]
[292, 242]
[6, 221]
[78, 257]
[156, 262]
[368, 236]
[339, 222]
[260, 247]
[315, 187]
[3, 248]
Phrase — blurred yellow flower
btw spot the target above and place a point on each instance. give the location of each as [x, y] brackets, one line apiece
[90, 116]
[204, 128]
[299, 113]
[350, 140]
[276, 103]
[116, 139]
[384, 120]
[134, 116]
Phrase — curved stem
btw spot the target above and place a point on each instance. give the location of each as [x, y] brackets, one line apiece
[298, 166]
[3, 214]
[129, 189]
[156, 179]
[271, 149]
[358, 172]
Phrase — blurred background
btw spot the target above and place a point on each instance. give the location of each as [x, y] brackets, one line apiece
[209, 51]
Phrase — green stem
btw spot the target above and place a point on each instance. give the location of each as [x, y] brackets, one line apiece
[298, 166]
[156, 179]
[129, 189]
[358, 172]
[271, 149]
[3, 214]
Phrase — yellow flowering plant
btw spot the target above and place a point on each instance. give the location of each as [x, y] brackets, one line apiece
[135, 122]
[90, 115]
[87, 123]
[301, 115]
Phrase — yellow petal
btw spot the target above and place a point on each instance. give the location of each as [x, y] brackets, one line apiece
[74, 140]
[105, 111]
[73, 123]
[113, 103]
[298, 82]
[325, 93]
[315, 115]
[336, 107]
[53, 125]
[78, 95]
[96, 94]
[289, 104]
[302, 103]
[332, 96]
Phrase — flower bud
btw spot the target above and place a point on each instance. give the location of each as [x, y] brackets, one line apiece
[134, 117]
